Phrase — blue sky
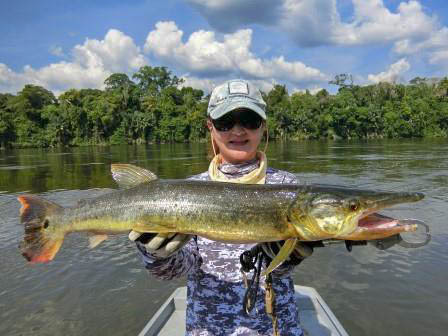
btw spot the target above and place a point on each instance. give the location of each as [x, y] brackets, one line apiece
[299, 43]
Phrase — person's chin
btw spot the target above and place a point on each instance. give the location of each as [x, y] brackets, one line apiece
[240, 154]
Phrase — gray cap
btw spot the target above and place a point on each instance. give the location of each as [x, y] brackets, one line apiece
[235, 94]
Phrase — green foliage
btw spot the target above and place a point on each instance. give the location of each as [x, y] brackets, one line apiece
[155, 108]
[7, 129]
[153, 80]
[118, 81]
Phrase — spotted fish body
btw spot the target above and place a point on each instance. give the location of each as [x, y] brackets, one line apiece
[227, 212]
[219, 211]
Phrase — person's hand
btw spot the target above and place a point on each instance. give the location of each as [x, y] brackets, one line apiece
[300, 252]
[160, 245]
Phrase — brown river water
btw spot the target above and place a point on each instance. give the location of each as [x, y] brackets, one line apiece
[106, 291]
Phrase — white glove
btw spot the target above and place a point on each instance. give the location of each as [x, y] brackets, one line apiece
[160, 245]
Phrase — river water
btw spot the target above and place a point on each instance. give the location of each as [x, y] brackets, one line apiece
[106, 291]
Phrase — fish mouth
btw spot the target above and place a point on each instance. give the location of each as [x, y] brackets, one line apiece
[378, 221]
[372, 225]
[378, 226]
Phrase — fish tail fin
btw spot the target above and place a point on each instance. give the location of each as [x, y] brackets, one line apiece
[41, 241]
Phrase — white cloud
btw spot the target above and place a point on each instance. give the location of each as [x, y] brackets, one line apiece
[204, 84]
[409, 28]
[393, 74]
[91, 64]
[312, 90]
[203, 54]
[318, 22]
[10, 81]
[439, 57]
[434, 47]
[374, 22]
[309, 22]
[435, 41]
[312, 22]
[116, 53]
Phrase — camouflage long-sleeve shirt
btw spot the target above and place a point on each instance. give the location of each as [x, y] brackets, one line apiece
[215, 287]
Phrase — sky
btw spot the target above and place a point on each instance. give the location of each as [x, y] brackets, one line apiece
[302, 44]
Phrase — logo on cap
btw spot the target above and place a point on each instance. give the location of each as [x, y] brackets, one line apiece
[238, 88]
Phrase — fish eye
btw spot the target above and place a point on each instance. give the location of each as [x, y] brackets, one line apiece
[46, 223]
[353, 205]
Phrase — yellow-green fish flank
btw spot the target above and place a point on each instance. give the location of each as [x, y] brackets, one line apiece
[228, 212]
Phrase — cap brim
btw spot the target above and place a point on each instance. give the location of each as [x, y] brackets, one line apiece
[226, 108]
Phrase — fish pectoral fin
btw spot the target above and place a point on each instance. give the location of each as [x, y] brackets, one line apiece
[128, 176]
[97, 239]
[282, 255]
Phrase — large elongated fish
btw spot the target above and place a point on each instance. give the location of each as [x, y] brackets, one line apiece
[228, 212]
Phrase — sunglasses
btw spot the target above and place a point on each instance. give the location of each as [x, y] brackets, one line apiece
[247, 119]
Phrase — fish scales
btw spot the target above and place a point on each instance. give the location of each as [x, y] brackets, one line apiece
[240, 213]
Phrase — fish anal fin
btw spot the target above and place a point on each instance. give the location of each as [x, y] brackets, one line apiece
[128, 175]
[282, 255]
[96, 239]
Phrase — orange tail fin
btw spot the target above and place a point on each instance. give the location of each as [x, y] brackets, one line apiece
[41, 240]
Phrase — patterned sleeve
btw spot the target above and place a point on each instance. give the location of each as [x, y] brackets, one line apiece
[277, 176]
[176, 265]
[291, 178]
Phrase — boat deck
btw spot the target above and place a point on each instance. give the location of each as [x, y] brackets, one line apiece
[316, 317]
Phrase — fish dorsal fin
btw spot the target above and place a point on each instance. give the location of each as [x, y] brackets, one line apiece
[128, 176]
[96, 239]
[282, 255]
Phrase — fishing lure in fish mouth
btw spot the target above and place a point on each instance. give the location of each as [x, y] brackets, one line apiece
[227, 212]
[418, 242]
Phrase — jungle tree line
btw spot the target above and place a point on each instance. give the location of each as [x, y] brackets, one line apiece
[153, 107]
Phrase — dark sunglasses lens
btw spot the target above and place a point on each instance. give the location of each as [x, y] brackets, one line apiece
[250, 120]
[224, 123]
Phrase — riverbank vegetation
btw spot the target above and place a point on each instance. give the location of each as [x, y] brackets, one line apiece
[154, 107]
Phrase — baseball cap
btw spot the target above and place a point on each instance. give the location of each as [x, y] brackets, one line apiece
[235, 94]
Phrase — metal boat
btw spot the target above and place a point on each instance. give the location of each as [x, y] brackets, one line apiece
[316, 317]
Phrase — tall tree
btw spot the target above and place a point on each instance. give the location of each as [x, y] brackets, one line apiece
[154, 79]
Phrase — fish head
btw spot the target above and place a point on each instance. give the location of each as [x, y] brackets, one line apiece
[324, 212]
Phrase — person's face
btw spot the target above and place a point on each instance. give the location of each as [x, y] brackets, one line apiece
[238, 143]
